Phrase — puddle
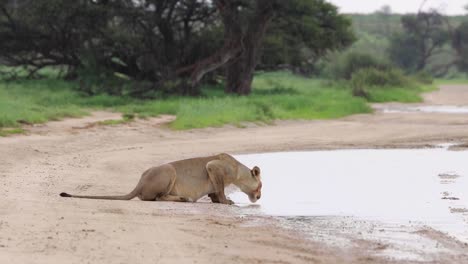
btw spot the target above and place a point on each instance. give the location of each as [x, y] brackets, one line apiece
[443, 109]
[397, 191]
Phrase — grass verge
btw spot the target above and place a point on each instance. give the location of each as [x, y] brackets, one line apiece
[390, 85]
[451, 81]
[10, 131]
[37, 101]
[275, 96]
[400, 94]
[127, 118]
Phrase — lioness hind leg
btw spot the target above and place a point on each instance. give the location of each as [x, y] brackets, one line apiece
[157, 182]
[174, 198]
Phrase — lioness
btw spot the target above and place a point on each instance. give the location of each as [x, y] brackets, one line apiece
[189, 180]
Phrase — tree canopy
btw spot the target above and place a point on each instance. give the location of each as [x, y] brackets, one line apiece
[424, 35]
[460, 44]
[168, 45]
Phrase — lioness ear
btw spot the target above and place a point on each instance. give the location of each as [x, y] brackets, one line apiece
[256, 171]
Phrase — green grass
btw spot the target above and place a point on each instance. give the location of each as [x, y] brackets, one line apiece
[452, 81]
[113, 122]
[275, 96]
[410, 94]
[390, 85]
[10, 131]
[37, 101]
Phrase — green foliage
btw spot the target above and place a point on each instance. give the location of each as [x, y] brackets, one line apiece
[451, 81]
[460, 44]
[97, 40]
[375, 32]
[376, 77]
[423, 35]
[404, 52]
[94, 79]
[423, 77]
[156, 44]
[402, 95]
[343, 67]
[389, 85]
[378, 25]
[304, 31]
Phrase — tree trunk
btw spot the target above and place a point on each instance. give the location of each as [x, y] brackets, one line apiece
[238, 78]
[240, 50]
[231, 48]
[240, 71]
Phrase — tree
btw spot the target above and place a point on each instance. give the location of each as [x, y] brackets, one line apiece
[384, 14]
[144, 41]
[385, 10]
[460, 44]
[164, 46]
[310, 28]
[239, 72]
[34, 40]
[424, 35]
[303, 33]
[244, 23]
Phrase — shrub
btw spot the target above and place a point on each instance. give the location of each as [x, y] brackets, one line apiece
[424, 77]
[365, 79]
[345, 66]
[376, 77]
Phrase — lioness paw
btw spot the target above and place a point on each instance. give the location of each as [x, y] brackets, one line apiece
[186, 200]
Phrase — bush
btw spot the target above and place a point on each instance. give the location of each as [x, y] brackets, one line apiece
[365, 79]
[376, 77]
[93, 79]
[345, 66]
[424, 77]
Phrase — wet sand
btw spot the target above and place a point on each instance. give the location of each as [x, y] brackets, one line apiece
[37, 226]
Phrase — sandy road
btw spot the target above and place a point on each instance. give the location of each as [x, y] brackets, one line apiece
[37, 226]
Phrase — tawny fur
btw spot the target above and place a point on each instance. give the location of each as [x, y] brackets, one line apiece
[189, 180]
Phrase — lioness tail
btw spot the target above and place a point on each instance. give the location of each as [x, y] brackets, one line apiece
[129, 196]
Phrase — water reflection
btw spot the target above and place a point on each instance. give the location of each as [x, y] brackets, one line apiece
[444, 109]
[392, 186]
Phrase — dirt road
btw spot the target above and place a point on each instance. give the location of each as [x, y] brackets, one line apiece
[37, 226]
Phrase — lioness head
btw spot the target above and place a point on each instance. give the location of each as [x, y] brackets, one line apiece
[252, 184]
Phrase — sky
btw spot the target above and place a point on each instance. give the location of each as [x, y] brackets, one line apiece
[450, 7]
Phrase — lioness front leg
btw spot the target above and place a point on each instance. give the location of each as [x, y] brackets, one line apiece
[216, 172]
[173, 198]
[215, 199]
